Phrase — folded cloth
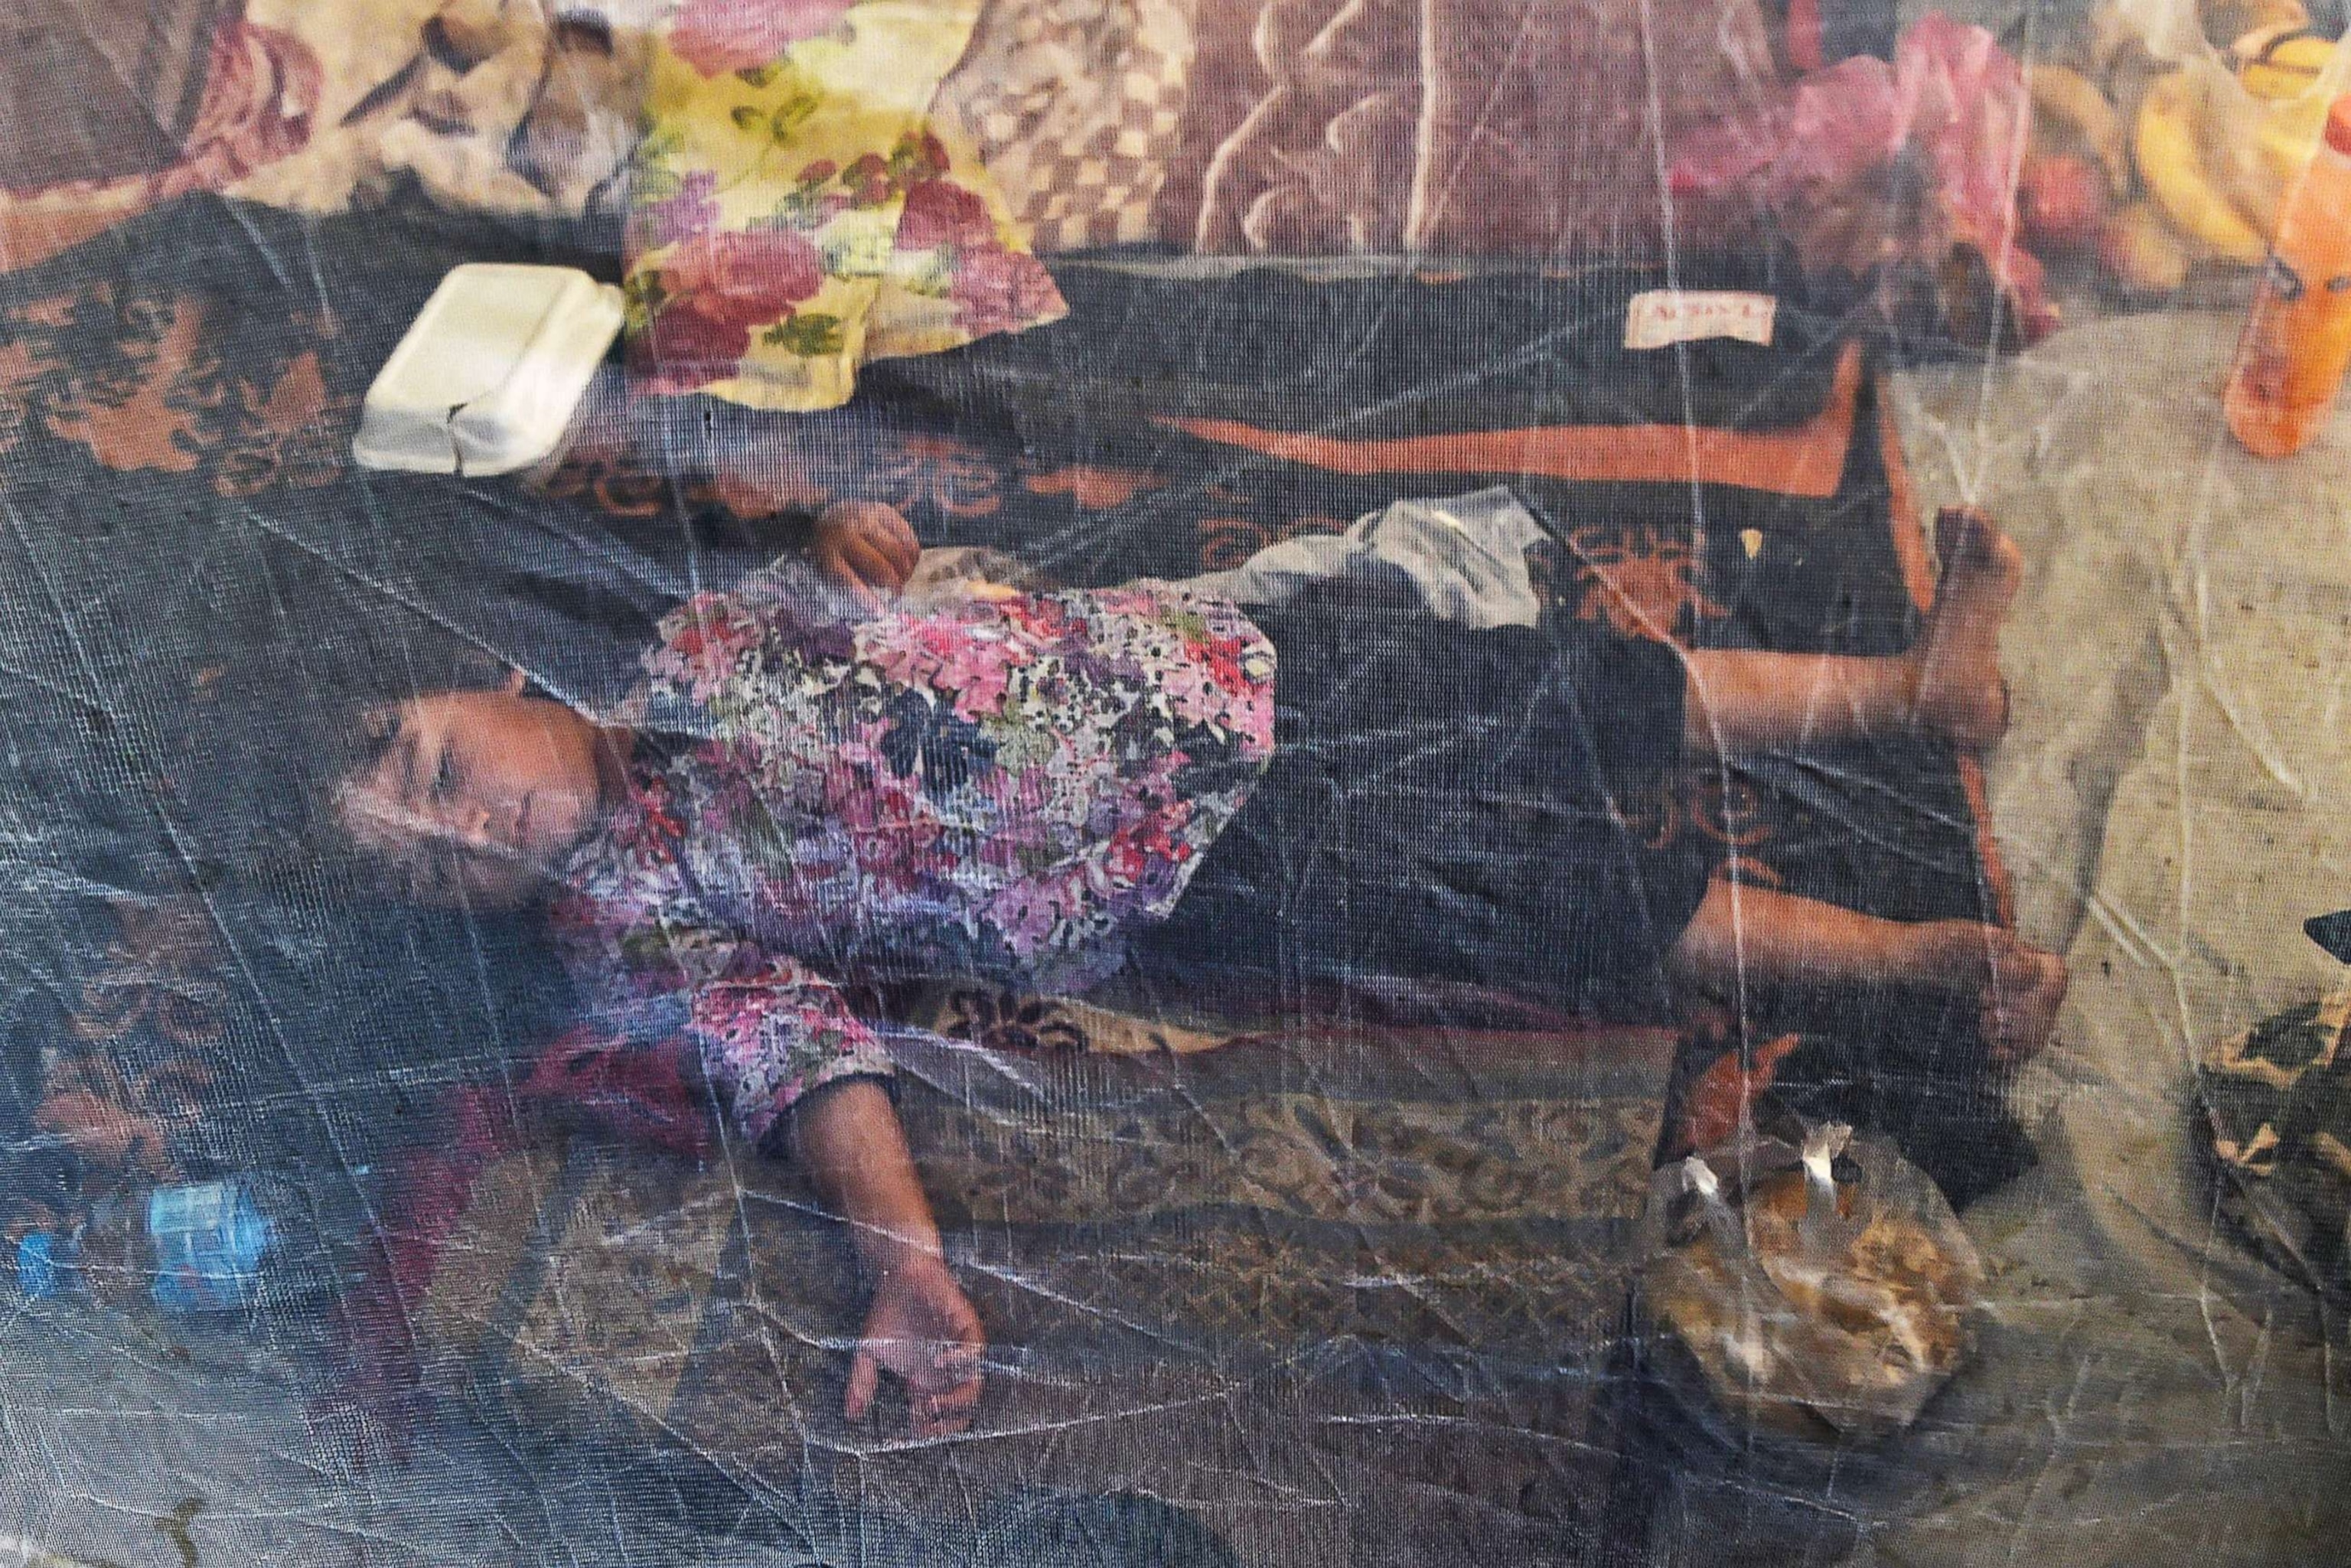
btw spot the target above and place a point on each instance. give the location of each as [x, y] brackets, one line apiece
[795, 214]
[479, 106]
[1463, 558]
[1078, 106]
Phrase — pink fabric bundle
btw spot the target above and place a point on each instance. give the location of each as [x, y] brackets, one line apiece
[1824, 158]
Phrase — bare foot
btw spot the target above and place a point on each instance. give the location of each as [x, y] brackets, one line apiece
[1955, 661]
[2017, 986]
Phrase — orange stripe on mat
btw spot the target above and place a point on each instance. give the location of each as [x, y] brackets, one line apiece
[1805, 460]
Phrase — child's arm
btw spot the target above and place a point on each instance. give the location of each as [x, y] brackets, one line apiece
[742, 464]
[788, 1056]
[919, 1327]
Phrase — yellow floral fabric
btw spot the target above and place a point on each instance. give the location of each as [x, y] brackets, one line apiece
[795, 213]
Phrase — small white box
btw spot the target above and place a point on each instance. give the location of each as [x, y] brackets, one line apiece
[488, 376]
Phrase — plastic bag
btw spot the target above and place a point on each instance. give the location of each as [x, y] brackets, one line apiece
[2223, 105]
[1815, 1291]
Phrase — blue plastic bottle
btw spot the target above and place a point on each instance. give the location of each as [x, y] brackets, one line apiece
[206, 1247]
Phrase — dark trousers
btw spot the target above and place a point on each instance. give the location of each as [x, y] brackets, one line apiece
[1441, 806]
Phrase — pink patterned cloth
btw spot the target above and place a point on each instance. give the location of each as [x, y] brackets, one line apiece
[796, 212]
[261, 87]
[717, 36]
[260, 90]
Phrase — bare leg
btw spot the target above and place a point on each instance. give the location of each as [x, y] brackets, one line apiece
[1743, 935]
[1741, 704]
[1745, 703]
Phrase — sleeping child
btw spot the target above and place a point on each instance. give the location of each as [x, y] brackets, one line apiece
[819, 783]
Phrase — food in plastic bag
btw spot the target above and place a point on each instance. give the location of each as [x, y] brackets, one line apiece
[1815, 1292]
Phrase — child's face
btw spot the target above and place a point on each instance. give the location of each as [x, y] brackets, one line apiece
[479, 796]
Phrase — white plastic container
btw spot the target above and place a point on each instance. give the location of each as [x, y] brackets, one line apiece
[486, 378]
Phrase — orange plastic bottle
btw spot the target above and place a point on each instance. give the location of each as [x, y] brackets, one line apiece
[2298, 340]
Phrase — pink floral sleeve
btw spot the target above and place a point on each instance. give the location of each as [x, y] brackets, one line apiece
[769, 1029]
[771, 1039]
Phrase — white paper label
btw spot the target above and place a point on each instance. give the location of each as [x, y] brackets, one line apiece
[1666, 316]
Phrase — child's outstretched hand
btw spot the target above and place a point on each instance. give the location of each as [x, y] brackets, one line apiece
[866, 548]
[922, 1331]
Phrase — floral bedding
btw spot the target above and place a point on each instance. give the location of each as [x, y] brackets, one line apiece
[796, 213]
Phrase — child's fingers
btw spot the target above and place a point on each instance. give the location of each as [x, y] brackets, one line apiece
[864, 1380]
[901, 551]
[878, 525]
[941, 1397]
[954, 1368]
[861, 568]
[896, 535]
[961, 1399]
[872, 566]
[841, 574]
[940, 1425]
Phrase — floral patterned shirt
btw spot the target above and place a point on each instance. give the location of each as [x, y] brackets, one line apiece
[995, 787]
